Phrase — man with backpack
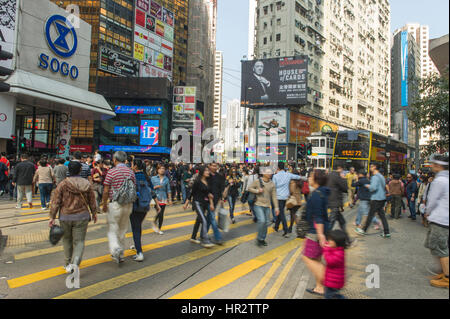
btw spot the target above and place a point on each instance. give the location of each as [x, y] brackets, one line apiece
[119, 194]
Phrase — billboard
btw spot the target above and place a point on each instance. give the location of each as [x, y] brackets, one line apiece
[126, 130]
[149, 132]
[153, 39]
[272, 124]
[117, 63]
[183, 112]
[404, 66]
[7, 30]
[144, 110]
[279, 81]
[301, 126]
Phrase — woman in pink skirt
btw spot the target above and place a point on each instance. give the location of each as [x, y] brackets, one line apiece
[317, 217]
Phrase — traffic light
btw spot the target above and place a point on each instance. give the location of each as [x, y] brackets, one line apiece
[14, 141]
[4, 87]
[309, 149]
[301, 151]
[23, 143]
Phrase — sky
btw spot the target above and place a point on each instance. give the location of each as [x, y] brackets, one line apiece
[232, 32]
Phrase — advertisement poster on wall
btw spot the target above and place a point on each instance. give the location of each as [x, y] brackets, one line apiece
[183, 113]
[272, 125]
[153, 38]
[7, 29]
[278, 81]
[404, 66]
[302, 126]
[149, 132]
[117, 63]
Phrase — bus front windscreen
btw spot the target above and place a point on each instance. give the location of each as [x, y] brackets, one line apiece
[352, 144]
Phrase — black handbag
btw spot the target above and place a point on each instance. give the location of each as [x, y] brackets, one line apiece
[56, 233]
[244, 197]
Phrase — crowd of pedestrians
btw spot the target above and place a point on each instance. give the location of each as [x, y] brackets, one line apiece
[128, 188]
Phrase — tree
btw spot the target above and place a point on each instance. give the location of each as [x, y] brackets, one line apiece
[431, 110]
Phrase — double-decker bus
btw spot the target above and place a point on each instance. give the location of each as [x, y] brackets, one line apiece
[359, 149]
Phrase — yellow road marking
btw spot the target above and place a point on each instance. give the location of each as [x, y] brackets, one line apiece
[49, 273]
[134, 276]
[227, 277]
[263, 282]
[33, 219]
[280, 280]
[51, 250]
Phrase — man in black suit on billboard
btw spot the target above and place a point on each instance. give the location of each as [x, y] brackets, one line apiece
[259, 87]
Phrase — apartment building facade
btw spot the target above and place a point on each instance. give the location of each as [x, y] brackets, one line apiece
[347, 43]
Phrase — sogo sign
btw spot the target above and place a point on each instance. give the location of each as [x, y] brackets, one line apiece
[60, 46]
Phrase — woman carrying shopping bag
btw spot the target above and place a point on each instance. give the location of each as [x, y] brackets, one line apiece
[74, 199]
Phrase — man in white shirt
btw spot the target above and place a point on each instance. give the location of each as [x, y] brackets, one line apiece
[282, 180]
[436, 212]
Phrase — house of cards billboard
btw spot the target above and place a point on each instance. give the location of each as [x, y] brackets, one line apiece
[279, 81]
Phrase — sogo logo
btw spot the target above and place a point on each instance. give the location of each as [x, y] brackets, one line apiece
[60, 46]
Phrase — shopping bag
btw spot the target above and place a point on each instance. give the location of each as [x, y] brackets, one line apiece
[224, 220]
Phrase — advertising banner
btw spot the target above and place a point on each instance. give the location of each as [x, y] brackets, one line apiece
[149, 132]
[126, 130]
[404, 66]
[81, 148]
[160, 28]
[140, 18]
[138, 51]
[149, 71]
[279, 81]
[272, 124]
[150, 23]
[143, 5]
[144, 110]
[135, 149]
[183, 113]
[168, 17]
[153, 38]
[302, 126]
[117, 63]
[168, 33]
[7, 29]
[156, 10]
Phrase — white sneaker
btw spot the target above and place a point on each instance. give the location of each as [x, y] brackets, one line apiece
[69, 268]
[195, 241]
[138, 257]
[160, 232]
[155, 229]
[132, 247]
[18, 207]
[44, 208]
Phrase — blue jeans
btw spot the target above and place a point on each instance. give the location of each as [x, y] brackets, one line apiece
[263, 217]
[183, 191]
[211, 221]
[281, 218]
[45, 190]
[232, 203]
[412, 208]
[363, 210]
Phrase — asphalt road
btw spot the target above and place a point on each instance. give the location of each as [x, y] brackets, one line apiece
[176, 268]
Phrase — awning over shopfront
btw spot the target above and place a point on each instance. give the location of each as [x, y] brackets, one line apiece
[35, 90]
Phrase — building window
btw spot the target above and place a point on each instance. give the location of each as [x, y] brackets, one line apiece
[266, 10]
[278, 37]
[278, 21]
[265, 40]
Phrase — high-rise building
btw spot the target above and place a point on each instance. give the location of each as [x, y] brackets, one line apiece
[421, 33]
[347, 43]
[218, 80]
[135, 40]
[234, 129]
[201, 54]
[405, 68]
[251, 28]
